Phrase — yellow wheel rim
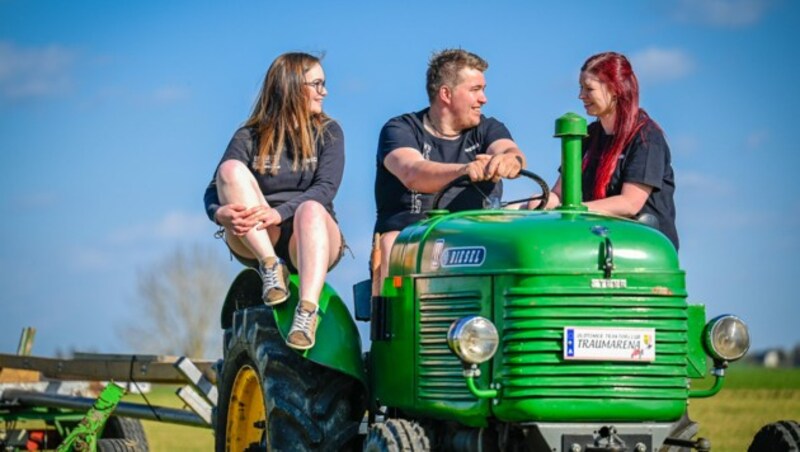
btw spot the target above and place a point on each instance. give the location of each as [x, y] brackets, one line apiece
[246, 414]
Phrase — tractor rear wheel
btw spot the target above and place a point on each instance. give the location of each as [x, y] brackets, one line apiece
[396, 435]
[271, 398]
[781, 436]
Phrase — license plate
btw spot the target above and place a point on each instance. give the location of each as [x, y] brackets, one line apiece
[609, 344]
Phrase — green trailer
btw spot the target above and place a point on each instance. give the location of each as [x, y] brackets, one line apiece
[66, 405]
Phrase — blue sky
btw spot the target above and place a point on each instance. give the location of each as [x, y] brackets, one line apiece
[113, 116]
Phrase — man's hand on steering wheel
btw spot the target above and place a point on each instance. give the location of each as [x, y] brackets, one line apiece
[459, 181]
[503, 166]
[476, 169]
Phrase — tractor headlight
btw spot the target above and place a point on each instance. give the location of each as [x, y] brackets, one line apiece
[473, 338]
[726, 338]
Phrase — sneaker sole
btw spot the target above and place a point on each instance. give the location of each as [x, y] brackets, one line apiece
[276, 302]
[300, 347]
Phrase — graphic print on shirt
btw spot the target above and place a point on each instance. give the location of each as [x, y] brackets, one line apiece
[305, 164]
[267, 167]
[416, 197]
[308, 163]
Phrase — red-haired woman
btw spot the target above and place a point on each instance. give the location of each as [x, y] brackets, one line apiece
[273, 189]
[627, 168]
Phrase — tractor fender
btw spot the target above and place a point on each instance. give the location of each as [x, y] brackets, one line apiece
[338, 343]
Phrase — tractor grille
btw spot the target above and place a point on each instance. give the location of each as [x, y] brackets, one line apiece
[532, 347]
[440, 372]
[536, 382]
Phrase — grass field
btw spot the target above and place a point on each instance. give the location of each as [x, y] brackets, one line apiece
[751, 397]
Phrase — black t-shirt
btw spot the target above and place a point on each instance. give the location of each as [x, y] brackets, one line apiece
[647, 161]
[317, 179]
[398, 206]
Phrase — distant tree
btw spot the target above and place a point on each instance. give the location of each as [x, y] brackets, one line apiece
[796, 357]
[178, 303]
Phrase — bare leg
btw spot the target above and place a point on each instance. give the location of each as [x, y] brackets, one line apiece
[236, 185]
[314, 247]
[375, 261]
[387, 240]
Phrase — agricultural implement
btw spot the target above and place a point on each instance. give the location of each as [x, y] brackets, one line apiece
[496, 329]
[61, 404]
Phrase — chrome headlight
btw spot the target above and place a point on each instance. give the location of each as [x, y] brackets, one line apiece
[473, 338]
[726, 338]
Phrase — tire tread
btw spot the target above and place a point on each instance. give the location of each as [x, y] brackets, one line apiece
[780, 436]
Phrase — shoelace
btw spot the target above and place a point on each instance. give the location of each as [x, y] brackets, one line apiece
[270, 277]
[302, 321]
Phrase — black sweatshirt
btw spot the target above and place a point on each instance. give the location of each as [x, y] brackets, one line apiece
[317, 179]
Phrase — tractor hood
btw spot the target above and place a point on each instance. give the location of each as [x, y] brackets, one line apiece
[533, 242]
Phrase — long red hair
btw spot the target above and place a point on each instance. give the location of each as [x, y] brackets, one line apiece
[614, 70]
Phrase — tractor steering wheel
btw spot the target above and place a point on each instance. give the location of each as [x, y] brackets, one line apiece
[492, 203]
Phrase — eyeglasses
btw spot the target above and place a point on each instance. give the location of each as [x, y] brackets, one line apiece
[318, 85]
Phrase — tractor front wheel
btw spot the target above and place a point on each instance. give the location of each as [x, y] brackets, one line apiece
[396, 435]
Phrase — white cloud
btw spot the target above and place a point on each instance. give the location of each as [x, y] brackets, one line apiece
[684, 144]
[719, 220]
[169, 94]
[180, 225]
[27, 72]
[164, 95]
[757, 139]
[659, 65]
[353, 86]
[721, 13]
[33, 201]
[172, 226]
[90, 259]
[695, 182]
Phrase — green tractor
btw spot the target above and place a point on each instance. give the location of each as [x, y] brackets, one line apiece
[496, 329]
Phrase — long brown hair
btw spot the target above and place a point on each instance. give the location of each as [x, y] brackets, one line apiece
[614, 70]
[281, 115]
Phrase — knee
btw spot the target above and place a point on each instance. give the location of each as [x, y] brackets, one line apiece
[310, 211]
[232, 172]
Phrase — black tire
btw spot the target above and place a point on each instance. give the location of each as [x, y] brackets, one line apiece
[397, 435]
[119, 445]
[307, 406]
[781, 436]
[123, 428]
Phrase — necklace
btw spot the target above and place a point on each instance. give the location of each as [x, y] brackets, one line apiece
[439, 132]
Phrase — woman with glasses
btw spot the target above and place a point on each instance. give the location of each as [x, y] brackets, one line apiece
[627, 167]
[274, 187]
